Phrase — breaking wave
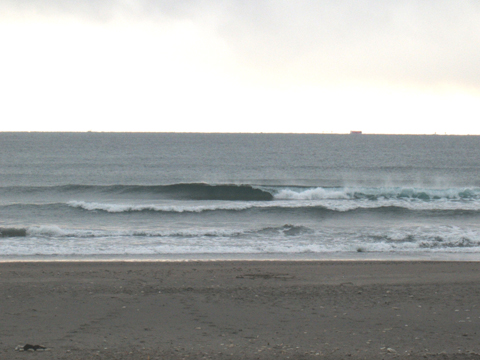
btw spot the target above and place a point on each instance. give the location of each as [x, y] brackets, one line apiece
[284, 239]
[329, 206]
[381, 193]
[246, 192]
[57, 232]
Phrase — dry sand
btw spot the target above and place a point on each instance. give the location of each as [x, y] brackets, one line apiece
[241, 310]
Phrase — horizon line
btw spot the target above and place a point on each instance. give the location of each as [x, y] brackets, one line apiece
[232, 133]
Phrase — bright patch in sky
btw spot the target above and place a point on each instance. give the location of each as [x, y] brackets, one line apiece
[205, 72]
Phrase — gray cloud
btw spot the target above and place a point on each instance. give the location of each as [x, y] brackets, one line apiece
[405, 41]
[92, 10]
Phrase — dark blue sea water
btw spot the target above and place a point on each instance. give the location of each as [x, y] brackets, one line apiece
[221, 196]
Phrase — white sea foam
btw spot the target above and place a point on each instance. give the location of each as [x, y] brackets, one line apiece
[340, 205]
[312, 194]
[119, 208]
[352, 193]
[46, 230]
[51, 231]
[54, 240]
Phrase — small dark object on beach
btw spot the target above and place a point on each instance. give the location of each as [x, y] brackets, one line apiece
[360, 250]
[33, 347]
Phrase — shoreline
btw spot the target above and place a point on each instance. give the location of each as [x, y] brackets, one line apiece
[320, 257]
[241, 309]
[279, 261]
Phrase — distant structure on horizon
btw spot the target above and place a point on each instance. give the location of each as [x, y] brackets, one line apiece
[355, 133]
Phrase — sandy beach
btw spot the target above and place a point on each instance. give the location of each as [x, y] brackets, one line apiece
[240, 310]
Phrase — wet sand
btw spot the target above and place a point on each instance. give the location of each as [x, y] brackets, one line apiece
[241, 310]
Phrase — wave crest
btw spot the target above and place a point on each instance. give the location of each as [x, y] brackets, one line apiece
[182, 191]
[381, 193]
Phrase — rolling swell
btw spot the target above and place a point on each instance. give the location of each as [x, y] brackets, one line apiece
[201, 191]
[183, 191]
[13, 232]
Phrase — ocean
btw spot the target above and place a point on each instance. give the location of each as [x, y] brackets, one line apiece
[159, 196]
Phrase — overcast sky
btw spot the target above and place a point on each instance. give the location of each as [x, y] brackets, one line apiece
[386, 66]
